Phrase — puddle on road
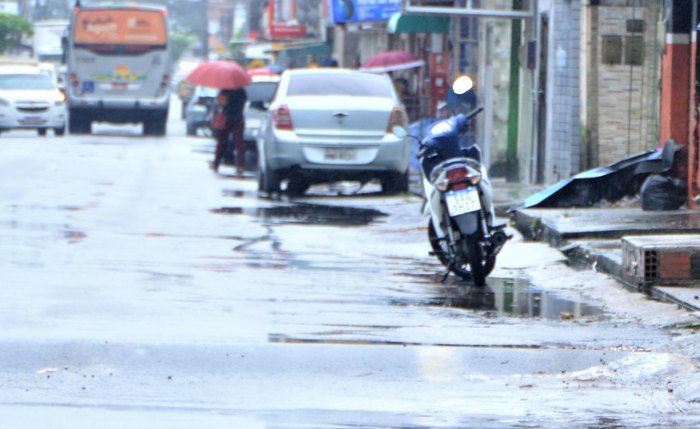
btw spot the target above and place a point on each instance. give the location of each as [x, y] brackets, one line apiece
[312, 214]
[508, 297]
[236, 193]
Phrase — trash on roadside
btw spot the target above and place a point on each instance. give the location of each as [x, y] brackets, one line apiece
[609, 183]
[663, 193]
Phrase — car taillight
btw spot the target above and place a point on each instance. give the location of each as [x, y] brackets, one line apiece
[164, 82]
[398, 117]
[282, 118]
[74, 80]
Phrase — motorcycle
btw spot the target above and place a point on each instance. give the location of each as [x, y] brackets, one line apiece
[459, 203]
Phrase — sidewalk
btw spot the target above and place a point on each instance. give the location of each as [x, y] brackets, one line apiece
[656, 252]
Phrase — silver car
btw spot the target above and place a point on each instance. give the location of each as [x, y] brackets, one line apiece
[326, 125]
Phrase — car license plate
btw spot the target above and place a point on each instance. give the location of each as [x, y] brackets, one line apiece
[335, 154]
[462, 201]
[33, 120]
[120, 86]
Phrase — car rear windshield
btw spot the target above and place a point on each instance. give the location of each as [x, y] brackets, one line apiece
[25, 81]
[357, 85]
[260, 91]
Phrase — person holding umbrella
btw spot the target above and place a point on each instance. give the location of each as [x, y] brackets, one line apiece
[231, 102]
[230, 78]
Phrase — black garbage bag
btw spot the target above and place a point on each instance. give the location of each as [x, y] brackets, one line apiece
[663, 193]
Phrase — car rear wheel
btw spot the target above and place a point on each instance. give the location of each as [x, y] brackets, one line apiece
[59, 131]
[41, 131]
[395, 183]
[268, 180]
[297, 186]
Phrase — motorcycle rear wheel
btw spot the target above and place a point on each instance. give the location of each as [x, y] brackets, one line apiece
[475, 255]
[463, 268]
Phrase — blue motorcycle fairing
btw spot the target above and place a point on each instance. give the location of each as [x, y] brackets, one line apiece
[443, 144]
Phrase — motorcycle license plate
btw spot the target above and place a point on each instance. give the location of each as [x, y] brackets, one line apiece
[462, 201]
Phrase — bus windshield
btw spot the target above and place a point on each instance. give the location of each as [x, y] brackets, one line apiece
[119, 27]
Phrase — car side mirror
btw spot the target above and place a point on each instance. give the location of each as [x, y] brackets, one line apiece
[399, 131]
[258, 105]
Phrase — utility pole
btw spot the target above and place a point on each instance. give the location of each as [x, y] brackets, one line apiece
[205, 31]
[512, 164]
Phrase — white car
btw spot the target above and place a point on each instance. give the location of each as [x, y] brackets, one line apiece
[259, 94]
[327, 125]
[29, 99]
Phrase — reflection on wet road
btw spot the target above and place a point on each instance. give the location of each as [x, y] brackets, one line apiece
[505, 297]
[311, 214]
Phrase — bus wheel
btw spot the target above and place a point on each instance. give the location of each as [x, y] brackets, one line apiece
[156, 125]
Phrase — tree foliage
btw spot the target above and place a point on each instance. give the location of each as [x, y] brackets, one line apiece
[12, 28]
[180, 42]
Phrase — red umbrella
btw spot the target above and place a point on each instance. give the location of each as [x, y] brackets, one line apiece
[219, 74]
[262, 71]
[391, 61]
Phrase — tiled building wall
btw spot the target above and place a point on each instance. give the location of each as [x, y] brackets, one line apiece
[564, 124]
[628, 97]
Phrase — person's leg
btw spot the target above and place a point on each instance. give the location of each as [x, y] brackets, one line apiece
[221, 137]
[238, 131]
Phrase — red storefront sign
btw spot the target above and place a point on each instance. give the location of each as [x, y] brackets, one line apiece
[280, 30]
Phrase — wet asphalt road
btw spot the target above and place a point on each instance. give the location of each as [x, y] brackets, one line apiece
[139, 289]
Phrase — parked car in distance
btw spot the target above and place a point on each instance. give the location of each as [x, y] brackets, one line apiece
[199, 111]
[327, 125]
[259, 94]
[30, 99]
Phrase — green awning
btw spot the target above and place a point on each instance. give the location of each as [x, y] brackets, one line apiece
[317, 49]
[403, 23]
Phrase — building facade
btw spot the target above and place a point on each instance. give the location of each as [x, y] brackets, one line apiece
[621, 79]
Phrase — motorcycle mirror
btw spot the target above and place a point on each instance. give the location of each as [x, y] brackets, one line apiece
[462, 84]
[399, 131]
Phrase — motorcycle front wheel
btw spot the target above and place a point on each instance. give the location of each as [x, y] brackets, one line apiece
[469, 250]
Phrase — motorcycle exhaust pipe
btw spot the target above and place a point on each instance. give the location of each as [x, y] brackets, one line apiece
[498, 239]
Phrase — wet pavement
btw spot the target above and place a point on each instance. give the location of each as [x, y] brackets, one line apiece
[142, 290]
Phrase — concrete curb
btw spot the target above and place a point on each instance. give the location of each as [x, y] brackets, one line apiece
[592, 239]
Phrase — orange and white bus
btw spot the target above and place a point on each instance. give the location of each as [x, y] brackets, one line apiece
[118, 66]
